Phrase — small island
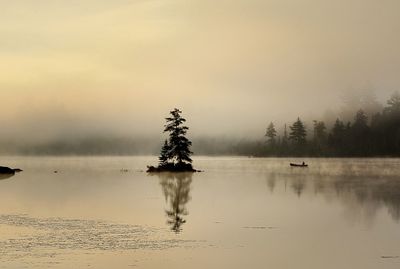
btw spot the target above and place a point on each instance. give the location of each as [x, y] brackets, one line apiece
[175, 153]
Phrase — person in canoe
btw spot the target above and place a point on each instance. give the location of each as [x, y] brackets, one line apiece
[299, 165]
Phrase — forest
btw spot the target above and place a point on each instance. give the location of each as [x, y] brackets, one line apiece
[378, 135]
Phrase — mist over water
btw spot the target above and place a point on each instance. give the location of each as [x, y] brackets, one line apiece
[55, 132]
[104, 211]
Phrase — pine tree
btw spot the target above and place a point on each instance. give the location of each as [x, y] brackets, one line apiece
[360, 135]
[319, 132]
[393, 103]
[360, 120]
[336, 137]
[165, 153]
[271, 134]
[285, 137]
[298, 133]
[179, 145]
[175, 153]
[320, 137]
[391, 124]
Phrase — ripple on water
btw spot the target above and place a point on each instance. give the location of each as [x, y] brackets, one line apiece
[53, 236]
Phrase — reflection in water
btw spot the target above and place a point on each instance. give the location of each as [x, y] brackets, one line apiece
[361, 193]
[176, 188]
[298, 184]
[91, 216]
[271, 181]
[4, 176]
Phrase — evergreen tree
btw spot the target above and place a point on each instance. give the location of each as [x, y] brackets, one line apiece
[320, 137]
[175, 153]
[283, 150]
[337, 136]
[319, 131]
[393, 103]
[360, 120]
[360, 135]
[338, 129]
[271, 134]
[284, 141]
[285, 136]
[390, 125]
[179, 145]
[165, 154]
[298, 133]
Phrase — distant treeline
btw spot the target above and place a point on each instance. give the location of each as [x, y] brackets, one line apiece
[99, 145]
[369, 133]
[377, 136]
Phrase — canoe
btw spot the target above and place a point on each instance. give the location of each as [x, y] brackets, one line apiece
[298, 165]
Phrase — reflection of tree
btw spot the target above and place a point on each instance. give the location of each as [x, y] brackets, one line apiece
[271, 181]
[371, 193]
[319, 185]
[176, 188]
[361, 194]
[298, 184]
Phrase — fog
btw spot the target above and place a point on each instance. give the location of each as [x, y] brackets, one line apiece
[79, 70]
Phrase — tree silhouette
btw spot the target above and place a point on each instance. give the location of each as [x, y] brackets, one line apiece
[379, 136]
[284, 142]
[360, 120]
[271, 134]
[179, 145]
[298, 133]
[285, 136]
[165, 154]
[393, 103]
[337, 136]
[320, 137]
[319, 131]
[360, 135]
[175, 153]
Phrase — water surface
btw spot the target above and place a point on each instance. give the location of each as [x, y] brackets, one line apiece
[105, 212]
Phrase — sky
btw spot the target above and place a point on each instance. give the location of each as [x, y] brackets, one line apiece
[76, 68]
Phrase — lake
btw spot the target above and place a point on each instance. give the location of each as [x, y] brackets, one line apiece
[106, 212]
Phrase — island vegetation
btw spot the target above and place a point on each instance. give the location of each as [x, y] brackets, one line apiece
[175, 153]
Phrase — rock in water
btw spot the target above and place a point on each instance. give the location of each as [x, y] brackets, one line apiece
[6, 170]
